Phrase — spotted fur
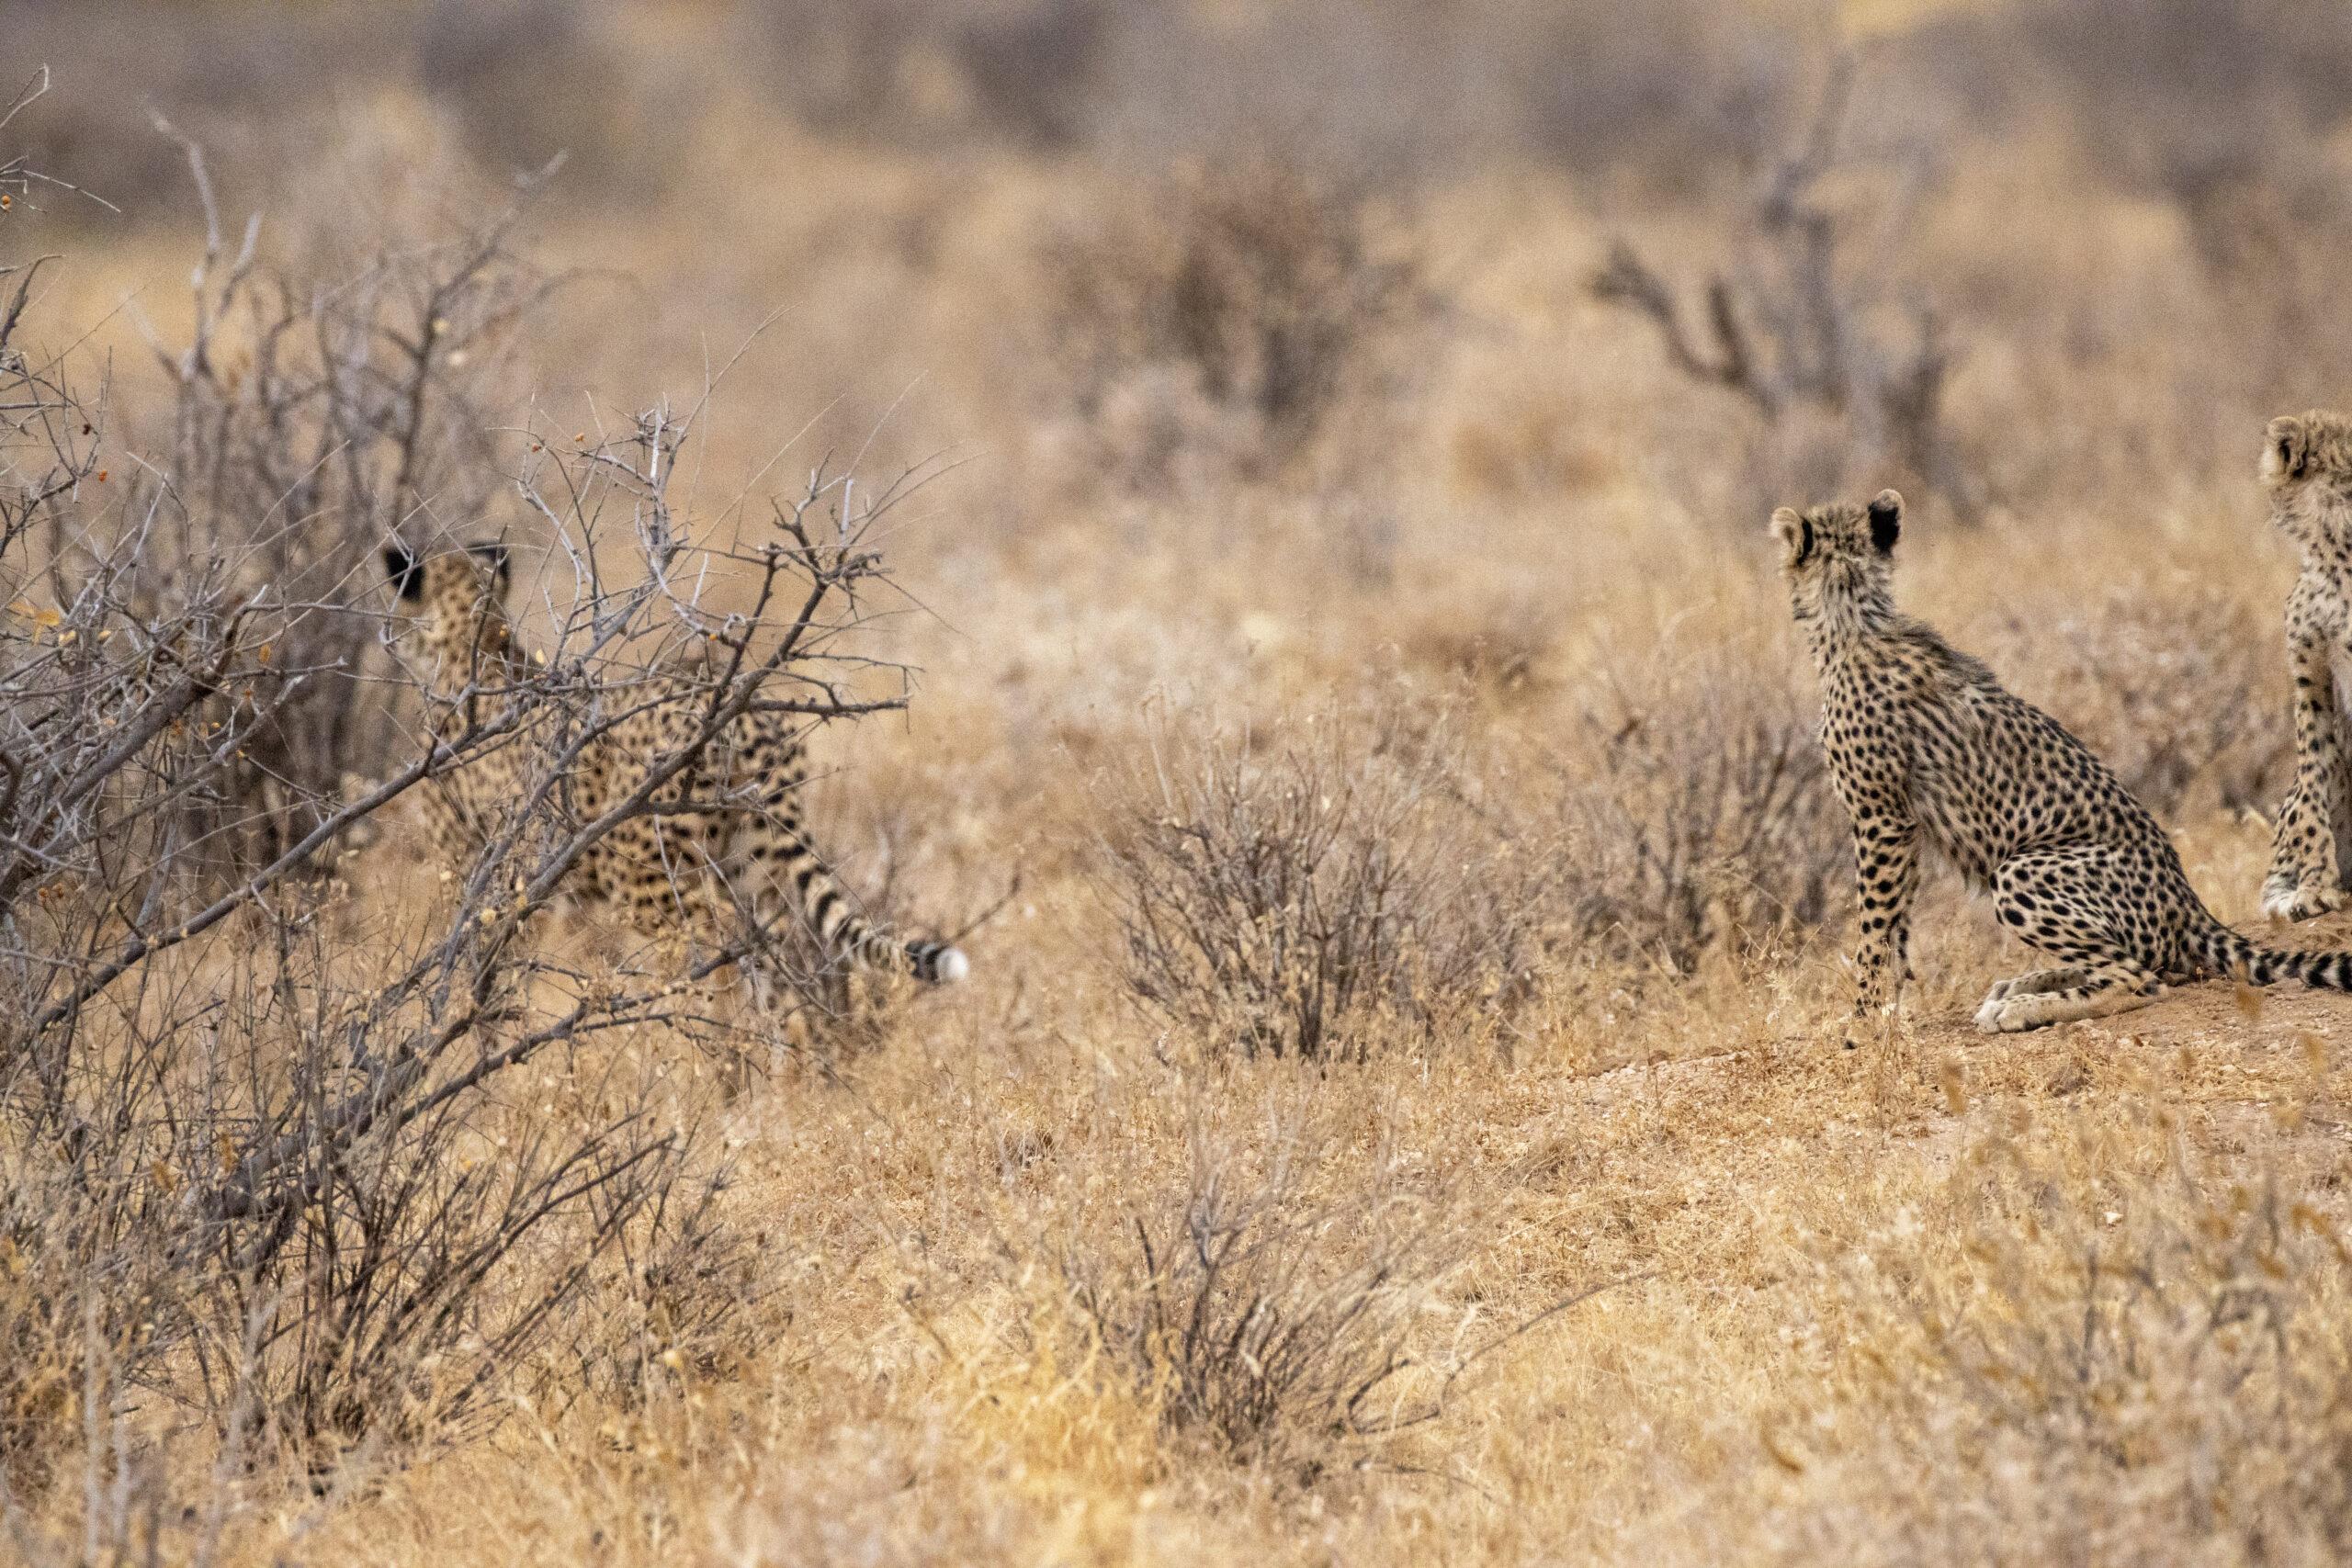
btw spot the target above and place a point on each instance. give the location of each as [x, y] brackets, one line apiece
[2307, 466]
[747, 851]
[1925, 746]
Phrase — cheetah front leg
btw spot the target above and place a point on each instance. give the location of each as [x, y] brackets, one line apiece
[2303, 880]
[1886, 866]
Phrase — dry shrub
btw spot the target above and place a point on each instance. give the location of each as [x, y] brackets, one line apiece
[2125, 1361]
[325, 1194]
[77, 1301]
[1280, 891]
[1285, 891]
[309, 419]
[1232, 306]
[681, 1296]
[1261, 1308]
[1698, 813]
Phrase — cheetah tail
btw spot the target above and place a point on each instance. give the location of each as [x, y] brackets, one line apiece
[2226, 953]
[845, 931]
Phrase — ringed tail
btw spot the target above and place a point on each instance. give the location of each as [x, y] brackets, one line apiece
[2226, 953]
[850, 935]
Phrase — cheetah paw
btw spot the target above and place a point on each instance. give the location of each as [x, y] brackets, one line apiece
[2302, 903]
[2006, 1014]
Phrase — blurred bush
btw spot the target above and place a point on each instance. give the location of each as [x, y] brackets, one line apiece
[528, 79]
[2178, 93]
[1221, 315]
[1025, 72]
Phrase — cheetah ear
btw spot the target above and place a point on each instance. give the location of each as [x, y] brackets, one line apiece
[406, 570]
[1796, 536]
[1886, 520]
[2286, 450]
[502, 570]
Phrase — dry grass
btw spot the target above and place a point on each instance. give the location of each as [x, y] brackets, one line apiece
[1352, 642]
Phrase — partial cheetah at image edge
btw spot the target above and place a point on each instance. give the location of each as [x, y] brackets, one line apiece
[1923, 742]
[656, 869]
[2307, 466]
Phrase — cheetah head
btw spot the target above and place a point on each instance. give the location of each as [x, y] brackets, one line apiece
[2307, 463]
[455, 603]
[1840, 553]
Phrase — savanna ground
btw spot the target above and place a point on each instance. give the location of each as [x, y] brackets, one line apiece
[1403, 1109]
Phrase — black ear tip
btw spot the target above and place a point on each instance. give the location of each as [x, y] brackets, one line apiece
[406, 572]
[1886, 520]
[496, 554]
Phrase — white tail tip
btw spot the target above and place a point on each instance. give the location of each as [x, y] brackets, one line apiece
[952, 966]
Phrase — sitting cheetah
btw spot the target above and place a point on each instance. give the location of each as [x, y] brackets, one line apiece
[1924, 742]
[661, 867]
[2307, 462]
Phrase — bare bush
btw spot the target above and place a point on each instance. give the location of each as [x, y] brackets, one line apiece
[1798, 336]
[210, 587]
[1698, 814]
[310, 424]
[1231, 307]
[1268, 1318]
[1282, 891]
[249, 1170]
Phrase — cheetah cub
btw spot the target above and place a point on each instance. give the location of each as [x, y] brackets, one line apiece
[2307, 464]
[665, 867]
[1924, 743]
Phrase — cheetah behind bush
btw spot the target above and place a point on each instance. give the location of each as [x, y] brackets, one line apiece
[744, 847]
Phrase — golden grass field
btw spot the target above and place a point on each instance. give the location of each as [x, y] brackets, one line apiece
[1667, 1272]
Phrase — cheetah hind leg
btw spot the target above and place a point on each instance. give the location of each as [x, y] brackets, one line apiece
[2035, 984]
[2099, 992]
